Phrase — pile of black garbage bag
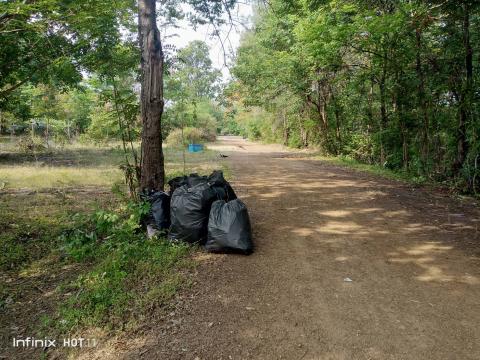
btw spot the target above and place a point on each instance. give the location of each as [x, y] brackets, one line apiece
[203, 210]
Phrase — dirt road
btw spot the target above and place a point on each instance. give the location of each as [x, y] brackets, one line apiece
[412, 256]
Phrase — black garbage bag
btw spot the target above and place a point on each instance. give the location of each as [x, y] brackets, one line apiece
[195, 179]
[192, 197]
[161, 210]
[189, 209]
[177, 182]
[221, 186]
[229, 228]
[190, 180]
[159, 216]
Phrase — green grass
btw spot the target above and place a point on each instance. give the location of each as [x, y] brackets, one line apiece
[372, 169]
[71, 250]
[128, 273]
[83, 165]
[31, 223]
[42, 177]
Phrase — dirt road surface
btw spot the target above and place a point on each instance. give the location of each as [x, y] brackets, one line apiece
[347, 266]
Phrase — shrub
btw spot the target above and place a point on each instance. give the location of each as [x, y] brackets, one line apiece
[104, 125]
[28, 145]
[191, 135]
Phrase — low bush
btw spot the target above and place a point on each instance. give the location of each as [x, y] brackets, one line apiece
[191, 135]
[29, 145]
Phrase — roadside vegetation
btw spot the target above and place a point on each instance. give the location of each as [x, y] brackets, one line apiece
[74, 257]
[72, 250]
[387, 87]
[389, 84]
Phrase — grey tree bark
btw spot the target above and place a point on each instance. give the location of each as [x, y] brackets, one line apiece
[151, 102]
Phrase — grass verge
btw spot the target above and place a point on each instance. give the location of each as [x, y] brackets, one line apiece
[372, 169]
[72, 256]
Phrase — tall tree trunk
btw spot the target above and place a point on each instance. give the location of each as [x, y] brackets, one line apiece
[322, 107]
[422, 102]
[383, 112]
[3, 127]
[337, 122]
[286, 132]
[47, 133]
[465, 96]
[398, 102]
[404, 132]
[152, 166]
[370, 102]
[303, 135]
[323, 99]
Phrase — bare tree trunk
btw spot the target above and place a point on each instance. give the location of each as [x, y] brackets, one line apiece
[465, 96]
[323, 100]
[3, 128]
[152, 166]
[422, 102]
[398, 109]
[286, 132]
[47, 133]
[303, 135]
[370, 105]
[383, 114]
[68, 131]
[338, 119]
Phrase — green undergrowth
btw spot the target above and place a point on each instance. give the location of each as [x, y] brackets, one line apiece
[128, 274]
[75, 252]
[373, 169]
[455, 187]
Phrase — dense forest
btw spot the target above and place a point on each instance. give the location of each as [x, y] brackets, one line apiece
[392, 83]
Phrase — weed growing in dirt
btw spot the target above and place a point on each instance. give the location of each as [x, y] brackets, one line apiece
[29, 227]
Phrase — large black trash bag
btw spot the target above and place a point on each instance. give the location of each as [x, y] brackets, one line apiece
[177, 182]
[190, 180]
[229, 228]
[221, 186]
[161, 210]
[159, 216]
[190, 207]
[191, 202]
[195, 179]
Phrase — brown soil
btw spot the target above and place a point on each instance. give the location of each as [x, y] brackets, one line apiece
[412, 256]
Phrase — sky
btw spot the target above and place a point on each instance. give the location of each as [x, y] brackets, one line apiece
[231, 39]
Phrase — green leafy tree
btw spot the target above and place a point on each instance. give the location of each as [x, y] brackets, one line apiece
[388, 83]
[191, 88]
[51, 41]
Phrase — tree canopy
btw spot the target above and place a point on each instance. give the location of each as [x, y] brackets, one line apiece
[53, 41]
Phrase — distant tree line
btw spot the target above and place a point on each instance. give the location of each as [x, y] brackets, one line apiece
[101, 107]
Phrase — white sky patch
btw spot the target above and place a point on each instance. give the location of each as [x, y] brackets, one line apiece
[230, 35]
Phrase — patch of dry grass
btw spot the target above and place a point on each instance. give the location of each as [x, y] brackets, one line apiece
[87, 165]
[41, 177]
